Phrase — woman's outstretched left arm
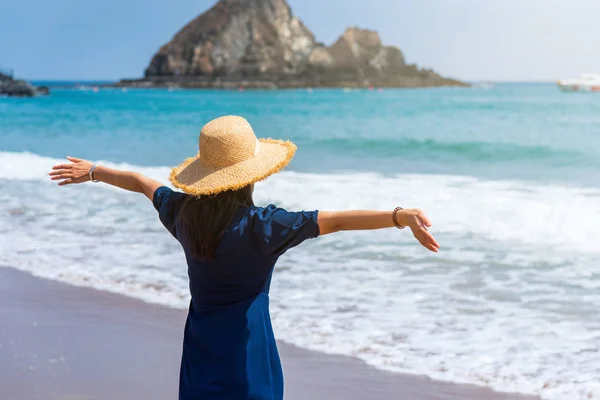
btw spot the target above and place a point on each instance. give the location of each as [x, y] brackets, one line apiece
[415, 219]
[78, 171]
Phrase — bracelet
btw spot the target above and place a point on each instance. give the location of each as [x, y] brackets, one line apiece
[92, 172]
[395, 219]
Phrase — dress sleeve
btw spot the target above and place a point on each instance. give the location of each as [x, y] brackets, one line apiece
[279, 230]
[165, 202]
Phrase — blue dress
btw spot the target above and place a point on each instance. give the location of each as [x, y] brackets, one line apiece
[229, 351]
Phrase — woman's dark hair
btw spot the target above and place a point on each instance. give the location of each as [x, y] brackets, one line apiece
[205, 219]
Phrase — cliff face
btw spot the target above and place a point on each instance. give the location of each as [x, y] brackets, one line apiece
[262, 41]
[237, 38]
[361, 52]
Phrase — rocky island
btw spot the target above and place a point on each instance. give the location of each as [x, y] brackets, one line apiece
[10, 86]
[261, 44]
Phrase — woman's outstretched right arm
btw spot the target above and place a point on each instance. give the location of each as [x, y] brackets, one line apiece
[78, 172]
[415, 219]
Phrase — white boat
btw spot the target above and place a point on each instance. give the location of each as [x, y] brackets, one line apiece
[584, 83]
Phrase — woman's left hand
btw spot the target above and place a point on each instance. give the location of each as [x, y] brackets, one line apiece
[76, 172]
[418, 223]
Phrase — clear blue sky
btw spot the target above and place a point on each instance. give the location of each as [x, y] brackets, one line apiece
[467, 39]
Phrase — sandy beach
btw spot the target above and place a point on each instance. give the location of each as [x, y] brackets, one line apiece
[63, 342]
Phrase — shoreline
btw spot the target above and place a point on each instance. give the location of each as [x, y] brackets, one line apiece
[59, 341]
[165, 82]
[240, 86]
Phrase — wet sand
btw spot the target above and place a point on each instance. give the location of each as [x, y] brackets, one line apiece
[59, 342]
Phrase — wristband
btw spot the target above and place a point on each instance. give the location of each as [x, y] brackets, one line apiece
[92, 172]
[395, 219]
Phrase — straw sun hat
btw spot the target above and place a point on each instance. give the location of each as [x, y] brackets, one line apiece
[230, 158]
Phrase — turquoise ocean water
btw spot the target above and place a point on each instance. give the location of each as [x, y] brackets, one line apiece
[509, 176]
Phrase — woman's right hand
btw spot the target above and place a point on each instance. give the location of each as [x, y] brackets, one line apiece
[76, 172]
[418, 223]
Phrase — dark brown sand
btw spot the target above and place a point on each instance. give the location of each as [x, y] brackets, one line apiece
[59, 342]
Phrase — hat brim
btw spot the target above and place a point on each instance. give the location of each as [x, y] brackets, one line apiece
[194, 178]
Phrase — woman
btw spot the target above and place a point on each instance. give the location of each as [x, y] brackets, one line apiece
[231, 247]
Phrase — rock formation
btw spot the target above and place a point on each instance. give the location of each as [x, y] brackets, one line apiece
[19, 88]
[261, 43]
